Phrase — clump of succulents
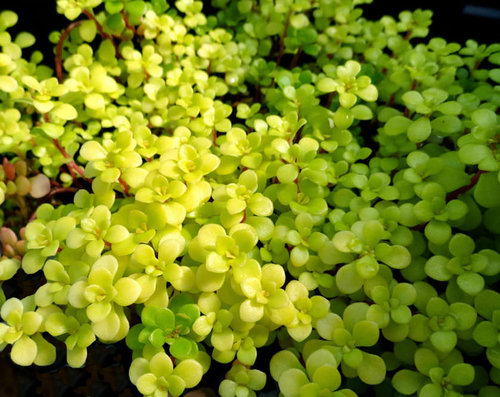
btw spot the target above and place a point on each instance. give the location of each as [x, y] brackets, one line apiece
[268, 173]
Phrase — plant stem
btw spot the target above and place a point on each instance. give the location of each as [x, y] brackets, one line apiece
[127, 22]
[59, 48]
[296, 58]
[455, 193]
[101, 31]
[461, 190]
[283, 36]
[329, 100]
[59, 190]
[124, 185]
[71, 165]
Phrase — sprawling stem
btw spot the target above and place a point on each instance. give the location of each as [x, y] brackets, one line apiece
[283, 36]
[60, 190]
[124, 185]
[461, 190]
[101, 31]
[455, 193]
[71, 164]
[59, 48]
[127, 22]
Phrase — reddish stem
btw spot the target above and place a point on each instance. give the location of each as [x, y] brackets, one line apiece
[127, 22]
[71, 164]
[461, 190]
[329, 100]
[282, 40]
[296, 58]
[391, 100]
[59, 48]
[125, 186]
[214, 137]
[59, 190]
[454, 195]
[101, 31]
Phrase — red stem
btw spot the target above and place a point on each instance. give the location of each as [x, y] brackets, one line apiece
[454, 195]
[127, 22]
[71, 164]
[282, 40]
[329, 100]
[296, 58]
[125, 186]
[58, 190]
[101, 31]
[461, 190]
[391, 100]
[59, 48]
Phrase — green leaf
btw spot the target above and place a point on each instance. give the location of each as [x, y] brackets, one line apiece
[135, 8]
[444, 341]
[52, 130]
[183, 348]
[419, 130]
[471, 283]
[407, 382]
[159, 6]
[396, 125]
[461, 374]
[191, 372]
[372, 369]
[24, 351]
[291, 381]
[127, 291]
[115, 22]
[326, 85]
[447, 124]
[487, 191]
[365, 333]
[88, 30]
[65, 111]
[8, 83]
[396, 256]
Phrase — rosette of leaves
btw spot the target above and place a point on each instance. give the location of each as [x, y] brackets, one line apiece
[320, 375]
[348, 334]
[241, 380]
[444, 323]
[104, 294]
[237, 198]
[309, 310]
[151, 269]
[157, 375]
[44, 237]
[486, 333]
[73, 322]
[468, 267]
[363, 240]
[434, 378]
[160, 326]
[107, 160]
[391, 309]
[22, 329]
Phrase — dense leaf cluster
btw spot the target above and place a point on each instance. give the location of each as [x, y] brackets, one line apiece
[271, 172]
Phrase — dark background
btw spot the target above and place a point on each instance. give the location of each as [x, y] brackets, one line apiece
[106, 371]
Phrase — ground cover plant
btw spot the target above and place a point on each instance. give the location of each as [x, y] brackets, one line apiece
[278, 174]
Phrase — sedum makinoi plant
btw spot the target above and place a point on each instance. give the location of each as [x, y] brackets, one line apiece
[210, 180]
